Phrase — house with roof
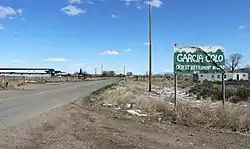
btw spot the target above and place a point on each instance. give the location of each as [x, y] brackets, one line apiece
[28, 72]
[218, 76]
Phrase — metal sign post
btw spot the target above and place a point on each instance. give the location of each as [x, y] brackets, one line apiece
[223, 89]
[175, 90]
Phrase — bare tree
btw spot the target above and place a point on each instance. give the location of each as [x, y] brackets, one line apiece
[234, 60]
[80, 72]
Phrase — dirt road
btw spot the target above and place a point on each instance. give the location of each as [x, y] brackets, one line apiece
[17, 106]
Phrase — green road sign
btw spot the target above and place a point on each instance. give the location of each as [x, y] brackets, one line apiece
[193, 60]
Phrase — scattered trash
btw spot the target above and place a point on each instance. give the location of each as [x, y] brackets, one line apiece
[128, 106]
[133, 112]
[92, 120]
[119, 108]
[43, 142]
[107, 104]
[191, 134]
[30, 81]
[93, 99]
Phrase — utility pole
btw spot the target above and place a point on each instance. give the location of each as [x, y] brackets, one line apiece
[95, 71]
[102, 69]
[150, 48]
[124, 70]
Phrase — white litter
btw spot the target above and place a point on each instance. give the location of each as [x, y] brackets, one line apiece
[129, 106]
[119, 108]
[29, 81]
[133, 112]
[138, 111]
[107, 104]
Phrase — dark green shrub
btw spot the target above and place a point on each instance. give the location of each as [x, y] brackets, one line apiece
[235, 99]
[216, 94]
[243, 93]
[217, 82]
[235, 90]
[230, 92]
[198, 97]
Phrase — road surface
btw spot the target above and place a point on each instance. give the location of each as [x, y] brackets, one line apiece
[18, 106]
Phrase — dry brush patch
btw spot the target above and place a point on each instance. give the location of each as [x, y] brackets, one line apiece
[8, 83]
[230, 117]
[128, 92]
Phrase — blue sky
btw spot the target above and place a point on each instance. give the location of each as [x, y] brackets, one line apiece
[69, 34]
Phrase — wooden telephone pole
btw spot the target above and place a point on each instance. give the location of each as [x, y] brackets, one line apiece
[124, 70]
[150, 48]
[101, 70]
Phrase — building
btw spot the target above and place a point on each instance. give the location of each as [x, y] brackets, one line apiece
[63, 74]
[244, 70]
[28, 72]
[228, 76]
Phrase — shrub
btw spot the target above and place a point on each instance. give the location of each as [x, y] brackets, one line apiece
[207, 115]
[235, 90]
[198, 97]
[206, 90]
[153, 105]
[243, 93]
[232, 118]
[235, 99]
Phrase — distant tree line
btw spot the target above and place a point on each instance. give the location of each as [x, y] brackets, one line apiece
[108, 73]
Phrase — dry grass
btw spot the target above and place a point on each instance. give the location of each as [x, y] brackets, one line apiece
[117, 95]
[154, 78]
[231, 117]
[14, 82]
[153, 105]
